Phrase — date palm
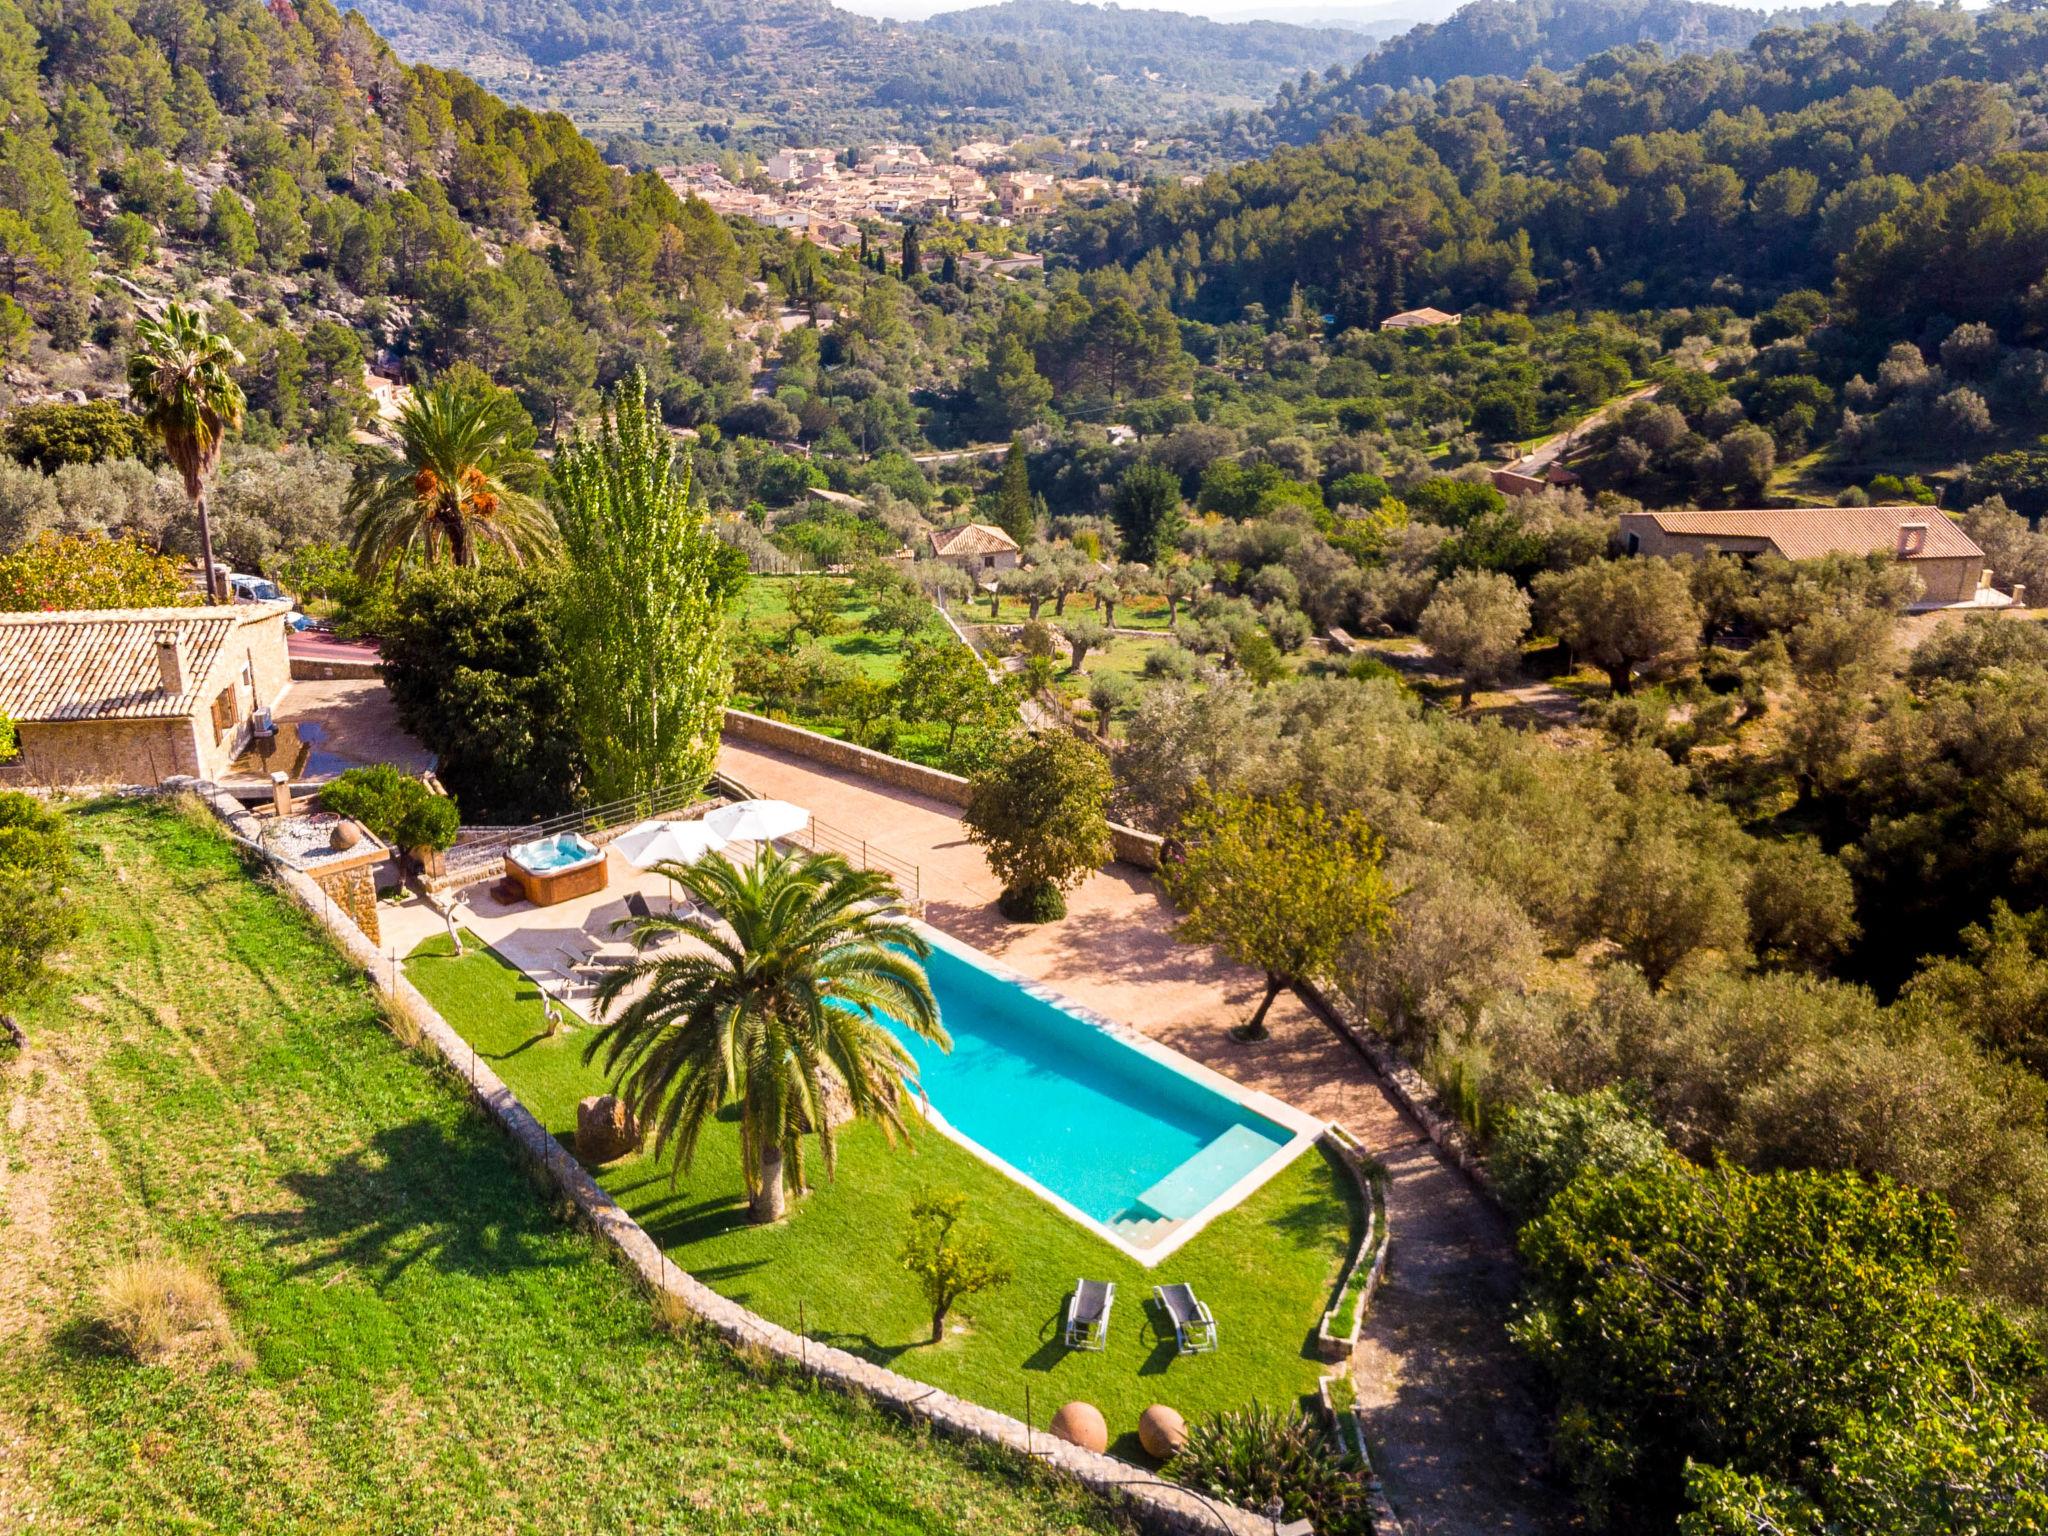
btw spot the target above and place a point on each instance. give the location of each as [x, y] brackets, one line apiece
[466, 477]
[180, 376]
[763, 1010]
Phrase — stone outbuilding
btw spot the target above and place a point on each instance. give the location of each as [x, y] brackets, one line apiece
[979, 549]
[139, 695]
[1946, 559]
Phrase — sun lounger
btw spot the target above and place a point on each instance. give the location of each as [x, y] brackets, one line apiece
[1088, 1307]
[1193, 1328]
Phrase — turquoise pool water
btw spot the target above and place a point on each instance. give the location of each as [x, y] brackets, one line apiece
[1116, 1133]
[547, 854]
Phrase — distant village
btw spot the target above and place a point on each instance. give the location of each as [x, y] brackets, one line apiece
[820, 197]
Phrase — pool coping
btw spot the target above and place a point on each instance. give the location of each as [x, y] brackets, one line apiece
[1305, 1130]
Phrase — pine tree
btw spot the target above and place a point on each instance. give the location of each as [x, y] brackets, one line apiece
[913, 254]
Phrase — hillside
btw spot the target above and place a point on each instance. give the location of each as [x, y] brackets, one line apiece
[1512, 37]
[332, 204]
[764, 72]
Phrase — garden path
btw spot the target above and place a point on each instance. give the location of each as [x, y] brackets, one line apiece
[1455, 1428]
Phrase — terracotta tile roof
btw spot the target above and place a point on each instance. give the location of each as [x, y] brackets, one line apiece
[1806, 533]
[972, 539]
[103, 665]
[1423, 316]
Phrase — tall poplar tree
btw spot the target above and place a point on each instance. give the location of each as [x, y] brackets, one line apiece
[645, 606]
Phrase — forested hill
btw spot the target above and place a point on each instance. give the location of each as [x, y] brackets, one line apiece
[776, 71]
[280, 163]
[1512, 37]
[1226, 56]
[1906, 161]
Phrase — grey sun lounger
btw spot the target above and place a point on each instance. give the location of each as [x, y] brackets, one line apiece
[1193, 1328]
[1088, 1314]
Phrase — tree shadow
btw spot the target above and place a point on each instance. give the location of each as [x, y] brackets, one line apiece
[419, 1193]
[867, 1346]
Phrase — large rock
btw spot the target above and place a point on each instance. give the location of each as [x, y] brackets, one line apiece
[1082, 1424]
[605, 1129]
[1162, 1432]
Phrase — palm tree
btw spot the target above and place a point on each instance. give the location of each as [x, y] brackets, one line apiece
[818, 953]
[180, 378]
[466, 477]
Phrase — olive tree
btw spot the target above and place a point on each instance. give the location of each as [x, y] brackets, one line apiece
[1624, 614]
[1474, 625]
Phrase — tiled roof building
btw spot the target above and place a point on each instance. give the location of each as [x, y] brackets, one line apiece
[1946, 559]
[136, 695]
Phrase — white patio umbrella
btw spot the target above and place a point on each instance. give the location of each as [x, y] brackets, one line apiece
[758, 821]
[657, 842]
[661, 842]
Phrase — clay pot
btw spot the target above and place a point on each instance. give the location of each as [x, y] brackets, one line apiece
[344, 836]
[1162, 1432]
[1082, 1424]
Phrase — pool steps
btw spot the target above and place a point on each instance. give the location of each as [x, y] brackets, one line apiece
[1189, 1188]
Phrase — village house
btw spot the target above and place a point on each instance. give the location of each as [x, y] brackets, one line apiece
[1419, 319]
[1946, 559]
[979, 549]
[135, 696]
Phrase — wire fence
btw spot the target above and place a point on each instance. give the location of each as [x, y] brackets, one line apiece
[491, 842]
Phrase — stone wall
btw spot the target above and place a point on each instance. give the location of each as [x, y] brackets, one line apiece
[1132, 846]
[354, 890]
[94, 752]
[1410, 1089]
[1161, 1507]
[307, 669]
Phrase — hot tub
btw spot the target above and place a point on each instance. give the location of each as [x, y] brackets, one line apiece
[558, 868]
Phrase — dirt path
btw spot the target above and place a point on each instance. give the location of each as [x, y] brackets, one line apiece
[1455, 1429]
[1551, 449]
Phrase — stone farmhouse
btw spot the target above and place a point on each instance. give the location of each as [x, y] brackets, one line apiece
[1946, 559]
[135, 696]
[979, 549]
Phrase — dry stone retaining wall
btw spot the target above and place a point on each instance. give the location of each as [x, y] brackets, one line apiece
[1410, 1089]
[1162, 1507]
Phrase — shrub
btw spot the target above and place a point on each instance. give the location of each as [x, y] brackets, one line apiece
[395, 807]
[148, 1308]
[1547, 1144]
[36, 914]
[1038, 812]
[1255, 1455]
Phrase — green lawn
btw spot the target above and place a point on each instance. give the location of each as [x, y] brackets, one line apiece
[417, 1341]
[765, 609]
[1267, 1269]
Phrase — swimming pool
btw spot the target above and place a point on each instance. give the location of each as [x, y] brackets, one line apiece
[1133, 1140]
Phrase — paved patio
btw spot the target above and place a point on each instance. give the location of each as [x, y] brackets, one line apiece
[326, 726]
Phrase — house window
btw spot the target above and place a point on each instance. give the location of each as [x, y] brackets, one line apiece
[1635, 544]
[224, 710]
[988, 562]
